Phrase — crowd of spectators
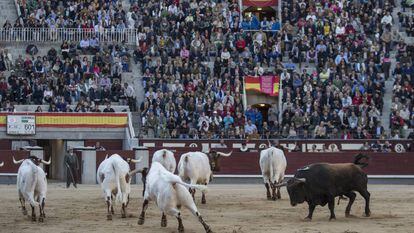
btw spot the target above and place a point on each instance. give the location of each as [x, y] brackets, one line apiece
[338, 60]
[402, 109]
[407, 22]
[193, 54]
[82, 75]
[343, 51]
[86, 15]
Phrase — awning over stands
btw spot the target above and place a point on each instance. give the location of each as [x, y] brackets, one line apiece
[260, 3]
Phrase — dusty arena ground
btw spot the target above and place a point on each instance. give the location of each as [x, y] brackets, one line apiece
[230, 208]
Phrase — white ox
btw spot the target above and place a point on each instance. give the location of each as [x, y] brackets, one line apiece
[169, 193]
[166, 159]
[32, 185]
[114, 176]
[198, 167]
[273, 165]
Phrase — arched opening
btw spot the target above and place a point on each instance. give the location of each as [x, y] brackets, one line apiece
[260, 12]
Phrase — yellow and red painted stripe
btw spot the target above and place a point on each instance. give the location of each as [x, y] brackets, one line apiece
[252, 83]
[74, 120]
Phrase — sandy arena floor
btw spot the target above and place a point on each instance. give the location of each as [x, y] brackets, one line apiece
[230, 208]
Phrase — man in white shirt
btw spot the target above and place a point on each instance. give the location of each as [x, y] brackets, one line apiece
[94, 45]
[250, 128]
[84, 45]
[387, 19]
[130, 94]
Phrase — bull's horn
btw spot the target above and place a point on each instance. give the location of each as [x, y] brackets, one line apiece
[224, 154]
[18, 161]
[1, 164]
[136, 160]
[301, 179]
[46, 162]
[106, 156]
[281, 184]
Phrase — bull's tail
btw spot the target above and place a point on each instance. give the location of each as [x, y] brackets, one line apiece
[270, 161]
[30, 195]
[359, 157]
[173, 179]
[118, 184]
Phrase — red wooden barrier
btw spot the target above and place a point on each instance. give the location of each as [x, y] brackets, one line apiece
[5, 144]
[6, 156]
[247, 163]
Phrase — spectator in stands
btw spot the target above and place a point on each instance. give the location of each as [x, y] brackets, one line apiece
[130, 95]
[366, 146]
[108, 108]
[250, 128]
[98, 146]
[221, 145]
[376, 146]
[386, 147]
[39, 109]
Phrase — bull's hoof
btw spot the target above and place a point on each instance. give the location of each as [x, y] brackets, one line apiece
[109, 217]
[307, 219]
[141, 221]
[203, 201]
[41, 219]
[24, 212]
[350, 216]
[164, 223]
[368, 214]
[332, 218]
[33, 218]
[123, 215]
[279, 197]
[181, 229]
[274, 198]
[269, 198]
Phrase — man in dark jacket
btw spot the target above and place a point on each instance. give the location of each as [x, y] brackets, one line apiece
[72, 167]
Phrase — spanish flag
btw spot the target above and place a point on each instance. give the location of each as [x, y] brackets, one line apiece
[265, 84]
[252, 83]
[276, 81]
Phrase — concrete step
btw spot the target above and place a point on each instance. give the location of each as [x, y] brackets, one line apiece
[8, 11]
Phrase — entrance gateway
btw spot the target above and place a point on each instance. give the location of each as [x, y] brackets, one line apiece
[50, 135]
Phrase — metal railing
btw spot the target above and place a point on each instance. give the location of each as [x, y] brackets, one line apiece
[129, 36]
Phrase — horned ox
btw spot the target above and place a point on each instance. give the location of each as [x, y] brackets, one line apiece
[273, 166]
[197, 167]
[166, 159]
[169, 193]
[32, 185]
[320, 183]
[114, 176]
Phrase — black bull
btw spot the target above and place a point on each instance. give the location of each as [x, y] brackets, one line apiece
[320, 183]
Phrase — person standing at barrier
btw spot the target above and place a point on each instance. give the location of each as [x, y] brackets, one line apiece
[130, 94]
[72, 167]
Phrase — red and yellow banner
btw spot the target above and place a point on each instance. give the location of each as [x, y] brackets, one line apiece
[265, 84]
[74, 120]
[260, 3]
